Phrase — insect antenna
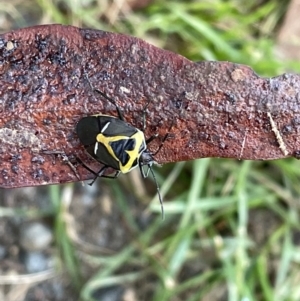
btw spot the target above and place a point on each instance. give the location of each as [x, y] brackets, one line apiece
[158, 192]
[157, 187]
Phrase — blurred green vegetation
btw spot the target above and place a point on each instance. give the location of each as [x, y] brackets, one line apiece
[232, 228]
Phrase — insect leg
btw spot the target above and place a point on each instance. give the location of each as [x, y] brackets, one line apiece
[65, 159]
[161, 144]
[120, 115]
[151, 138]
[163, 140]
[100, 173]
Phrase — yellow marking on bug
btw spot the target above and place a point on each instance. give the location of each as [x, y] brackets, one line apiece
[133, 154]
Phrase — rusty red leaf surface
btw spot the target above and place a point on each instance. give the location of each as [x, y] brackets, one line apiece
[209, 109]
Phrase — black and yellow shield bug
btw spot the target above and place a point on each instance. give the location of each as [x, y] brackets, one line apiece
[116, 144]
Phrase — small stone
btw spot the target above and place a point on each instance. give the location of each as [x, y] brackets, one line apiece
[35, 262]
[35, 236]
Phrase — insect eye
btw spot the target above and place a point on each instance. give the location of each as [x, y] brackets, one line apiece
[146, 159]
